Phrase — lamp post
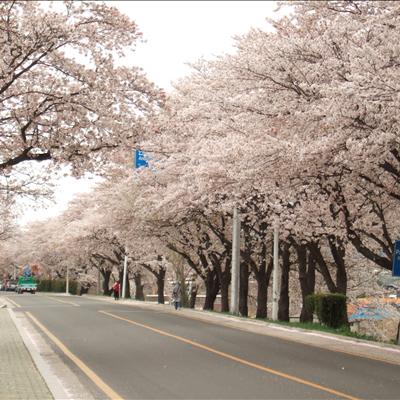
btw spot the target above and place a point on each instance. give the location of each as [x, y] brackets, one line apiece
[276, 278]
[235, 263]
[124, 276]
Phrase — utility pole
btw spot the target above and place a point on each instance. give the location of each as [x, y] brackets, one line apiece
[124, 277]
[235, 263]
[276, 278]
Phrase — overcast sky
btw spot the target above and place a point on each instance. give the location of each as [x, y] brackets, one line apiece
[175, 32]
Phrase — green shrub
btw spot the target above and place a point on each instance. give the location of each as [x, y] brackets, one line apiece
[330, 308]
[73, 287]
[44, 285]
[57, 285]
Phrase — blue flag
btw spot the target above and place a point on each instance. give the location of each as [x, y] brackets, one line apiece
[396, 259]
[141, 160]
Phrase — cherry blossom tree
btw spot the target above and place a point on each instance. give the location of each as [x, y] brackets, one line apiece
[63, 96]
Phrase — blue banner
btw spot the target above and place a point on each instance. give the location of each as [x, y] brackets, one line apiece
[141, 160]
[396, 259]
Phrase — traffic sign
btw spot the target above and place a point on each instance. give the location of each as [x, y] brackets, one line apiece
[141, 160]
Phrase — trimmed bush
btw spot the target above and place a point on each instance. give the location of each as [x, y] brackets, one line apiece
[330, 308]
[44, 285]
[73, 287]
[58, 285]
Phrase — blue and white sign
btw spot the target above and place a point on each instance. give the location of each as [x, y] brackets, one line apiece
[141, 160]
[27, 271]
[396, 259]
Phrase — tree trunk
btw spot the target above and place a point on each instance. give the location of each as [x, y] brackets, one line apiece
[306, 278]
[262, 274]
[316, 254]
[225, 282]
[283, 306]
[262, 296]
[244, 289]
[106, 274]
[212, 285]
[160, 286]
[338, 253]
[226, 279]
[192, 299]
[139, 294]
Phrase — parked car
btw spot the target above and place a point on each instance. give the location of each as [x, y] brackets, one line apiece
[11, 286]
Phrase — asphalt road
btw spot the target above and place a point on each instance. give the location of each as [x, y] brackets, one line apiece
[137, 353]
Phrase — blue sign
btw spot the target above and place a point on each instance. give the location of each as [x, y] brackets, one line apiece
[396, 259]
[27, 271]
[141, 160]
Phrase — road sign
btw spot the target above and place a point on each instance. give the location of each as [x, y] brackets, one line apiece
[141, 160]
[396, 259]
[27, 271]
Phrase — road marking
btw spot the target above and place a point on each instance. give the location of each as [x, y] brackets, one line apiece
[63, 301]
[89, 373]
[301, 341]
[13, 302]
[234, 358]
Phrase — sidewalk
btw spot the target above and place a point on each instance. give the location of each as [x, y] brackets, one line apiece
[19, 377]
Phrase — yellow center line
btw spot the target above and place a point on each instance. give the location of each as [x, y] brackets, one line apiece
[89, 373]
[296, 340]
[237, 359]
[13, 302]
[63, 301]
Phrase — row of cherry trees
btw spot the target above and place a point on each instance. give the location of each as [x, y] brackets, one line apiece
[68, 100]
[298, 128]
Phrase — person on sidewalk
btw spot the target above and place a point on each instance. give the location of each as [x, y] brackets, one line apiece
[176, 295]
[116, 288]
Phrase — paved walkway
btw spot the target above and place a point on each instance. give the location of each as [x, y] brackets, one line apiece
[19, 377]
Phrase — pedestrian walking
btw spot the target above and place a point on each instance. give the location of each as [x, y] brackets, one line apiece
[116, 288]
[176, 295]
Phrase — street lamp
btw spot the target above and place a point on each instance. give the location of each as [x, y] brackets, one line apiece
[235, 263]
[276, 278]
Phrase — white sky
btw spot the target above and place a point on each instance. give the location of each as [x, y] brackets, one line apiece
[175, 32]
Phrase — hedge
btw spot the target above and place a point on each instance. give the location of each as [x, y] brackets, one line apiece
[330, 308]
[57, 285]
